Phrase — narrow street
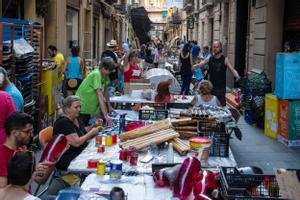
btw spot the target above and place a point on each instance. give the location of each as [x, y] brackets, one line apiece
[149, 99]
[256, 149]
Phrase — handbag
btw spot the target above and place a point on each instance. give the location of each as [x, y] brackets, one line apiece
[72, 83]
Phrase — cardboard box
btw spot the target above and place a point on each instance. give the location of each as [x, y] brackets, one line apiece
[129, 87]
[287, 83]
[271, 116]
[289, 143]
[289, 120]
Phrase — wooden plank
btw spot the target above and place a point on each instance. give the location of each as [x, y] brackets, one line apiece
[156, 126]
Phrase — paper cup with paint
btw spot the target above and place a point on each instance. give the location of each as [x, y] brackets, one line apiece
[200, 147]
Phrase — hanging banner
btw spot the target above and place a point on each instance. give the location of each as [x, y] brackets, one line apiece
[174, 3]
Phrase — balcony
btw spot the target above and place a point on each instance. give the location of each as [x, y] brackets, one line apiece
[208, 2]
[121, 6]
[174, 19]
[188, 6]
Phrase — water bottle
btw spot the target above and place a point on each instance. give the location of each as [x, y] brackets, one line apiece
[122, 121]
[154, 152]
[170, 155]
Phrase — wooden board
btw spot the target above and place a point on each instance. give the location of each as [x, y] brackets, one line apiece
[156, 126]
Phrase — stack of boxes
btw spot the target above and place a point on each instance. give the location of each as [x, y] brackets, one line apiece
[282, 119]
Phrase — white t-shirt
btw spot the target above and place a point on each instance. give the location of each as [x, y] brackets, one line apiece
[200, 101]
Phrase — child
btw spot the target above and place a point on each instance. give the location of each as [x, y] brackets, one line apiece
[163, 93]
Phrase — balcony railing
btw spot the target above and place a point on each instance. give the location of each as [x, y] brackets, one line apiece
[174, 19]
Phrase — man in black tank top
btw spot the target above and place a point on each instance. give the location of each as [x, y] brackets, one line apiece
[218, 65]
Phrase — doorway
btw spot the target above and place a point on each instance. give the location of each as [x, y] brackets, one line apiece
[211, 22]
[241, 36]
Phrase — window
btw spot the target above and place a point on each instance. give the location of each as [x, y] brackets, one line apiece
[95, 37]
[72, 28]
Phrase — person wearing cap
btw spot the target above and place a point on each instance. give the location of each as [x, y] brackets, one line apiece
[93, 92]
[10, 88]
[163, 93]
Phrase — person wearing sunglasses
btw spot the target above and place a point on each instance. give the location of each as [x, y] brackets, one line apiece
[93, 92]
[20, 172]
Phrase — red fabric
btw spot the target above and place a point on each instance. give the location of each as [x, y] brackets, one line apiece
[206, 183]
[186, 178]
[5, 154]
[55, 149]
[134, 72]
[134, 125]
[7, 107]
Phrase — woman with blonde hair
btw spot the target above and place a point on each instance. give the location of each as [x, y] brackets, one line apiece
[205, 97]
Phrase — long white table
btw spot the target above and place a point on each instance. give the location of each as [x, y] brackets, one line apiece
[140, 187]
[79, 164]
[179, 99]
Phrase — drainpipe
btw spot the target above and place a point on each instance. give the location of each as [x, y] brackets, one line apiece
[248, 40]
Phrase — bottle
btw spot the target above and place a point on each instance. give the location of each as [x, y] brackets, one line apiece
[170, 155]
[122, 122]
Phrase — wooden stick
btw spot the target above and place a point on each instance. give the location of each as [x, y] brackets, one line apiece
[181, 147]
[147, 137]
[156, 126]
[137, 141]
[182, 122]
[140, 143]
[186, 128]
[187, 134]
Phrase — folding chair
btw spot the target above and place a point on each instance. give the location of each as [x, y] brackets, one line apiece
[46, 137]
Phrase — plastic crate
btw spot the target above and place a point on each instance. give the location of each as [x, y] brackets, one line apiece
[220, 143]
[235, 186]
[207, 126]
[153, 114]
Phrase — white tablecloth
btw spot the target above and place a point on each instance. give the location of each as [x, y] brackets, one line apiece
[79, 164]
[127, 99]
[136, 187]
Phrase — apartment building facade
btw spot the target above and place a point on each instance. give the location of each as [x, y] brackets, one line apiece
[252, 31]
[89, 24]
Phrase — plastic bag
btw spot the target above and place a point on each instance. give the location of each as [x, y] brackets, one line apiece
[22, 47]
